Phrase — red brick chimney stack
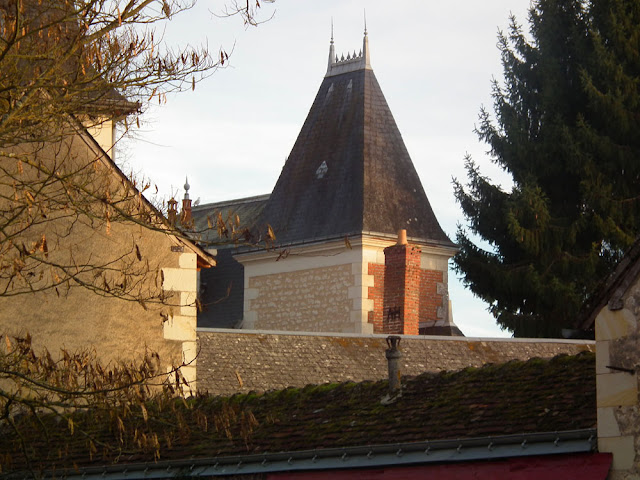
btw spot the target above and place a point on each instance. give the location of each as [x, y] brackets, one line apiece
[401, 309]
[172, 211]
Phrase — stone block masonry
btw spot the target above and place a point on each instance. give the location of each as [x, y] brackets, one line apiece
[376, 294]
[617, 377]
[305, 300]
[232, 361]
[182, 283]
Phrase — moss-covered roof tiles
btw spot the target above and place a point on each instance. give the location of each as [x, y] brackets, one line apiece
[512, 398]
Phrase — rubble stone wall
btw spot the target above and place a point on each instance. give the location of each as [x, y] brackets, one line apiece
[311, 300]
[233, 361]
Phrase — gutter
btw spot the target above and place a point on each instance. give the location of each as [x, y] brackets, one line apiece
[441, 451]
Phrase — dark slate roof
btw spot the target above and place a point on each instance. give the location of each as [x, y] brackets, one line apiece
[246, 209]
[242, 361]
[370, 183]
[222, 292]
[451, 330]
[222, 288]
[514, 398]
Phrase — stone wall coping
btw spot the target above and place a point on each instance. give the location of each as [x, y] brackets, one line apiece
[237, 331]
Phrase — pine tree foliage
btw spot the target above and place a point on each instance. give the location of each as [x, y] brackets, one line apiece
[566, 129]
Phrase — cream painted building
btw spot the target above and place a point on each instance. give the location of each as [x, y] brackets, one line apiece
[111, 277]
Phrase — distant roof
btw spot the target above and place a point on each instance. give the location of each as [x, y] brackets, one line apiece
[349, 171]
[516, 398]
[205, 217]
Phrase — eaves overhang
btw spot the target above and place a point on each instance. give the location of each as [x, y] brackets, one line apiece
[399, 454]
[332, 242]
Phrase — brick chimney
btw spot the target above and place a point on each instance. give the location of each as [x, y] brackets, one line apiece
[172, 211]
[401, 305]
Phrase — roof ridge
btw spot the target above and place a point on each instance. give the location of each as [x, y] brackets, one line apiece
[237, 201]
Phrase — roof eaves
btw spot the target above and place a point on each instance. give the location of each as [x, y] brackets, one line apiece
[454, 248]
[454, 450]
[611, 290]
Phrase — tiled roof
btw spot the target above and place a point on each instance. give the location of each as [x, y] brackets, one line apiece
[247, 209]
[222, 288]
[241, 361]
[349, 171]
[512, 398]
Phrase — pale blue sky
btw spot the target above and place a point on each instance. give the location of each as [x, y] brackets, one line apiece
[433, 60]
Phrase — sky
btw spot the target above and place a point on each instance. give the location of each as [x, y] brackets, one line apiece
[434, 62]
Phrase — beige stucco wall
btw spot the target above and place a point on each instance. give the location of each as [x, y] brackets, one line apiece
[76, 317]
[103, 131]
[139, 292]
[617, 346]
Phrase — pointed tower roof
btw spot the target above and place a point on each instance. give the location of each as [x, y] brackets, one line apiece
[349, 171]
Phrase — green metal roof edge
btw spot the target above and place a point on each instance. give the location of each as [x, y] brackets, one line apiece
[399, 454]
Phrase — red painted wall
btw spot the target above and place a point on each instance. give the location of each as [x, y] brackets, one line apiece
[584, 466]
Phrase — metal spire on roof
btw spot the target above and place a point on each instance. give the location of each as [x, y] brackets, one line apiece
[365, 44]
[332, 51]
[332, 30]
[365, 22]
[338, 64]
[186, 188]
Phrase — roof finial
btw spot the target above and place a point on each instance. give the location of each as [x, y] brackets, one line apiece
[365, 45]
[365, 22]
[332, 51]
[186, 187]
[331, 30]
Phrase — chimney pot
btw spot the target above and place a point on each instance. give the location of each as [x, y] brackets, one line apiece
[394, 355]
[172, 212]
[402, 237]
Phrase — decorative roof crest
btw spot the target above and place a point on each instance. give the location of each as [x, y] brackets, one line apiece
[351, 63]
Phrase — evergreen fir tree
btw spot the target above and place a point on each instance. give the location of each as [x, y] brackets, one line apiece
[611, 131]
[566, 130]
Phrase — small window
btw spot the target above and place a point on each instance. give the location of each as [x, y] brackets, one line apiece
[322, 170]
